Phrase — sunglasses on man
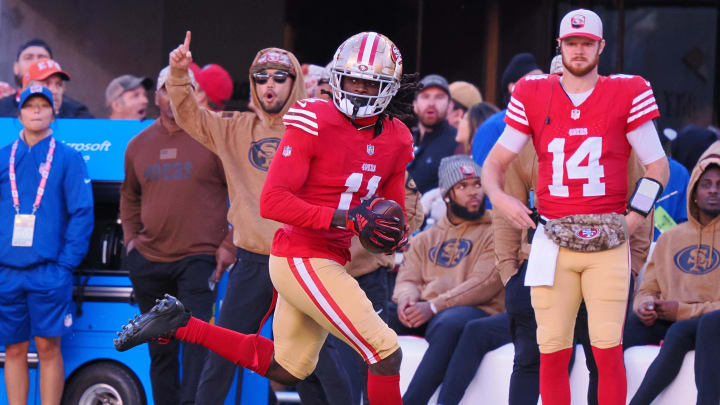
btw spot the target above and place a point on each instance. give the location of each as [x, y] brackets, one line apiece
[278, 77]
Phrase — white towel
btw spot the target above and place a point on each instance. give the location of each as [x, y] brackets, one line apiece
[542, 260]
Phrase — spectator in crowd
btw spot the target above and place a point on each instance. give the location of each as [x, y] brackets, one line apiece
[27, 53]
[690, 143]
[487, 134]
[47, 73]
[175, 241]
[317, 81]
[215, 86]
[47, 220]
[671, 208]
[474, 117]
[463, 95]
[433, 137]
[512, 249]
[126, 97]
[246, 143]
[448, 276]
[678, 302]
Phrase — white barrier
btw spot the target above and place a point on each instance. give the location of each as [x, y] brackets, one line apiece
[491, 383]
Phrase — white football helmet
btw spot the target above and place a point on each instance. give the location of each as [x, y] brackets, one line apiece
[369, 56]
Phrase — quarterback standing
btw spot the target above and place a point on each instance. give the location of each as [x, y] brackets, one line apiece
[334, 158]
[583, 127]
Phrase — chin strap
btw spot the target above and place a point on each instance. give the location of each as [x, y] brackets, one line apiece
[356, 108]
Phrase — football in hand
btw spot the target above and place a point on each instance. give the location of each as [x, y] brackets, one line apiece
[384, 207]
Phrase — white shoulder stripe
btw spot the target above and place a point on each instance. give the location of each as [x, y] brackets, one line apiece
[517, 111]
[642, 105]
[304, 128]
[301, 119]
[641, 96]
[303, 112]
[641, 113]
[517, 102]
[521, 120]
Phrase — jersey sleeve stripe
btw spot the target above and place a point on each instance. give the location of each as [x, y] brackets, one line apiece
[517, 102]
[304, 128]
[303, 112]
[642, 96]
[517, 111]
[641, 113]
[642, 105]
[514, 117]
[311, 123]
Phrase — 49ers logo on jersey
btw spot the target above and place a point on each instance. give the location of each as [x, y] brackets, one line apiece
[587, 233]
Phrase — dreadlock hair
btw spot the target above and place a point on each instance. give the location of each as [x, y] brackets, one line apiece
[401, 105]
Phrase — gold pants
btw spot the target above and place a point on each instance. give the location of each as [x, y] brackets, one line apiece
[317, 296]
[602, 279]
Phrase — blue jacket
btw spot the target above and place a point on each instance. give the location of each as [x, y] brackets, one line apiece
[486, 135]
[63, 222]
[675, 205]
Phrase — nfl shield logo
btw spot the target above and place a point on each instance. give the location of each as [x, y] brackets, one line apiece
[575, 114]
[370, 150]
[287, 151]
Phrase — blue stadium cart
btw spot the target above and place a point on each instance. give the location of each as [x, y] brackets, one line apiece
[95, 372]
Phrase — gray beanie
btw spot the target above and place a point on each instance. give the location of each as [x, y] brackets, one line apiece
[455, 168]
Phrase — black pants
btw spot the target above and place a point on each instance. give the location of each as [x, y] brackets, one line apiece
[525, 378]
[442, 333]
[247, 299]
[186, 279]
[699, 334]
[478, 338]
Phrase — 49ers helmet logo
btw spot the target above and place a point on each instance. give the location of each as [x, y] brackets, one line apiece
[587, 233]
[577, 21]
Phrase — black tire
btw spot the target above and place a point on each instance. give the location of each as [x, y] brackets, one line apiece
[105, 381]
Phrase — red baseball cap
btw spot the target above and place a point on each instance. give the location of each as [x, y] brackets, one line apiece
[581, 23]
[42, 69]
[215, 82]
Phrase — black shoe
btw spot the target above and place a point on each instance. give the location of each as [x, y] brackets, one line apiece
[160, 323]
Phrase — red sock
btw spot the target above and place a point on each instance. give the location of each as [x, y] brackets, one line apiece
[384, 390]
[554, 378]
[253, 352]
[612, 381]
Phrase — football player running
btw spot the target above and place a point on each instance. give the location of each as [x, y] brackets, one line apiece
[334, 159]
[583, 127]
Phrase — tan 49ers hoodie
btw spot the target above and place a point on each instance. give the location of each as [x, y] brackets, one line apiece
[451, 265]
[685, 265]
[246, 143]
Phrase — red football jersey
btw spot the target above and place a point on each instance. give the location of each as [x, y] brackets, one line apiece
[324, 163]
[582, 151]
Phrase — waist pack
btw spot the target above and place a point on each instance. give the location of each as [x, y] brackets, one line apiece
[588, 232]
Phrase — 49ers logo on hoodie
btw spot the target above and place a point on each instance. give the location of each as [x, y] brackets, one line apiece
[696, 259]
[450, 252]
[262, 152]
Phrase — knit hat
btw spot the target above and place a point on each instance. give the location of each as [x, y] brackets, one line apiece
[273, 58]
[520, 65]
[455, 168]
[690, 144]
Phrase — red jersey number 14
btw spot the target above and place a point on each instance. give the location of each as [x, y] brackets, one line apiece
[593, 171]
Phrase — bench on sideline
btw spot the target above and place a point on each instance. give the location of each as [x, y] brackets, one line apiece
[492, 380]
